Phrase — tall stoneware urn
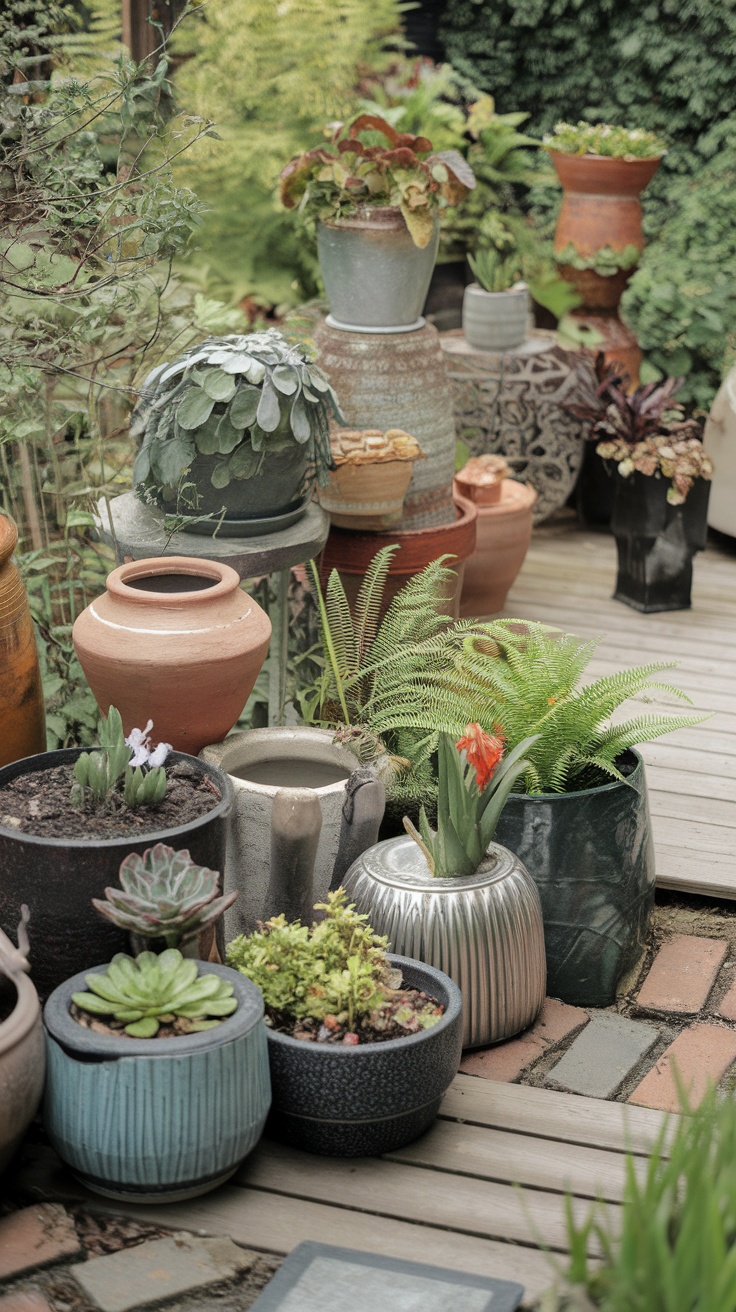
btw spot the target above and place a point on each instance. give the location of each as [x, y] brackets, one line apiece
[504, 531]
[21, 694]
[174, 640]
[485, 932]
[601, 210]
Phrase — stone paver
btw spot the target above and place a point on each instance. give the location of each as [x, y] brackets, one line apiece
[30, 1300]
[602, 1055]
[701, 1053]
[727, 1006]
[506, 1061]
[159, 1270]
[36, 1236]
[682, 974]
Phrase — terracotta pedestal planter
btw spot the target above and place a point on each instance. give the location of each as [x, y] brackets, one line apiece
[601, 208]
[22, 714]
[504, 530]
[176, 641]
[22, 1056]
[351, 554]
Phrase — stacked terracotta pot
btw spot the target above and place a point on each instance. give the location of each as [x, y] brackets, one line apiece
[504, 529]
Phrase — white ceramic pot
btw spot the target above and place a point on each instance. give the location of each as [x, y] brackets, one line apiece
[495, 321]
[262, 763]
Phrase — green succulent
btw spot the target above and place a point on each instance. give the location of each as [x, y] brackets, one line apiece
[605, 261]
[97, 774]
[235, 398]
[496, 270]
[164, 894]
[152, 989]
[604, 139]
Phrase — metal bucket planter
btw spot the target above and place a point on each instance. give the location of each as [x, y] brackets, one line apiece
[656, 542]
[374, 1097]
[485, 933]
[591, 855]
[495, 321]
[153, 1120]
[375, 278]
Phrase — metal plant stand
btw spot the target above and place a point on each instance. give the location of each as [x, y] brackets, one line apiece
[137, 532]
[514, 403]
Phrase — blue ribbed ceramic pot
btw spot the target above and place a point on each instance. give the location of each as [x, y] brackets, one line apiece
[156, 1119]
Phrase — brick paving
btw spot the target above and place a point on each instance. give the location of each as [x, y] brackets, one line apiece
[35, 1237]
[156, 1271]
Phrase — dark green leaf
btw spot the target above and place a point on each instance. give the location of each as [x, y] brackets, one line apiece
[285, 379]
[245, 462]
[219, 385]
[244, 405]
[195, 409]
[300, 425]
[171, 458]
[220, 476]
[268, 413]
[228, 435]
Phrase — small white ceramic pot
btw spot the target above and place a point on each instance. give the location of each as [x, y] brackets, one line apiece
[495, 321]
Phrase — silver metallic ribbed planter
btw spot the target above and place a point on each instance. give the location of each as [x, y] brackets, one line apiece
[485, 932]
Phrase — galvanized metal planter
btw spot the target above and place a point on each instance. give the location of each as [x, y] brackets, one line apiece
[486, 933]
[156, 1119]
[375, 278]
[591, 855]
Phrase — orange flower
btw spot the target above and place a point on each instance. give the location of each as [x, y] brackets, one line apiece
[483, 751]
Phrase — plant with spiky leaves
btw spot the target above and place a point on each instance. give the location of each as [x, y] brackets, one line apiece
[165, 895]
[121, 760]
[234, 398]
[150, 990]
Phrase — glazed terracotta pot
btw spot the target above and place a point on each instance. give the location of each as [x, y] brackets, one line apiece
[174, 640]
[375, 278]
[351, 554]
[601, 208]
[22, 714]
[22, 1056]
[503, 536]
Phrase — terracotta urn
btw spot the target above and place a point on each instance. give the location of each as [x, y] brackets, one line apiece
[350, 553]
[21, 695]
[504, 531]
[601, 207]
[174, 640]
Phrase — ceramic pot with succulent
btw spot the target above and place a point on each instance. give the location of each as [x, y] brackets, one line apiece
[599, 239]
[234, 434]
[375, 210]
[660, 474]
[372, 473]
[178, 637]
[458, 900]
[22, 1056]
[67, 820]
[496, 305]
[158, 1084]
[505, 510]
[362, 1044]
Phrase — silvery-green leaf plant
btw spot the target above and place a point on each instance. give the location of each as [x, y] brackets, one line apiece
[235, 398]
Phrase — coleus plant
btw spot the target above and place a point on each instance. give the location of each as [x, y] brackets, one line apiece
[645, 431]
[335, 181]
[235, 398]
[475, 780]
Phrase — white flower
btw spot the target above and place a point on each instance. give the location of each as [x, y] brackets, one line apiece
[159, 754]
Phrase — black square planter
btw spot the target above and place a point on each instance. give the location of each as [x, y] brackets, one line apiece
[656, 541]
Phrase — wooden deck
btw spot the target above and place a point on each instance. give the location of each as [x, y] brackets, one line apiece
[567, 580]
[450, 1199]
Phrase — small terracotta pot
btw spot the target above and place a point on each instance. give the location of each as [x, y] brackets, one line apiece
[504, 534]
[351, 554]
[368, 496]
[176, 641]
[22, 712]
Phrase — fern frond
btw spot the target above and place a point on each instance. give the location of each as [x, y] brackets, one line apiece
[370, 597]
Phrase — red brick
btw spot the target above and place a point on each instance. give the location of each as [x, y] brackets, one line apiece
[506, 1061]
[29, 1300]
[727, 1006]
[682, 975]
[701, 1054]
[34, 1237]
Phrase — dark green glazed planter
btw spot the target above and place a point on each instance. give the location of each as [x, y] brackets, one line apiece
[591, 855]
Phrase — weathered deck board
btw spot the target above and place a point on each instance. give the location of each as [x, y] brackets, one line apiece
[567, 581]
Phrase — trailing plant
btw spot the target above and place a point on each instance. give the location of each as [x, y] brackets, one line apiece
[151, 990]
[130, 762]
[672, 1244]
[164, 894]
[331, 982]
[605, 140]
[236, 398]
[605, 261]
[333, 183]
[645, 431]
[474, 782]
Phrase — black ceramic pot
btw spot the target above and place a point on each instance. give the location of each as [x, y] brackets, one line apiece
[591, 855]
[278, 492]
[375, 1097]
[595, 489]
[58, 877]
[656, 541]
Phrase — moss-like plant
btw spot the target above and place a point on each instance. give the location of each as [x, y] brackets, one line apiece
[604, 139]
